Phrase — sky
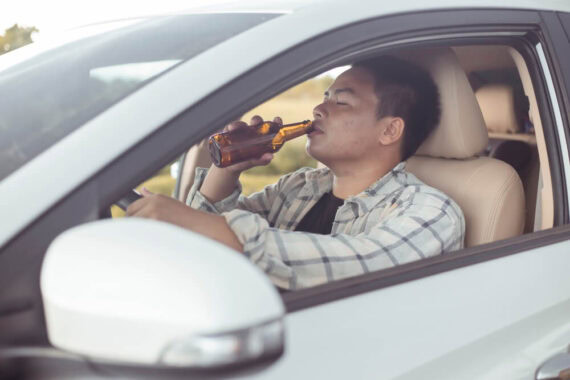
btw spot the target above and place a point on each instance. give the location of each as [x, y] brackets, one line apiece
[59, 15]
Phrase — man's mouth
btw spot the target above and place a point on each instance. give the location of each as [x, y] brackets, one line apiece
[316, 129]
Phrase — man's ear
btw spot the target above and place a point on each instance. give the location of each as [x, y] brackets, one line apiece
[392, 130]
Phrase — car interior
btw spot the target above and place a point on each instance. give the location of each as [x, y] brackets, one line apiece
[491, 165]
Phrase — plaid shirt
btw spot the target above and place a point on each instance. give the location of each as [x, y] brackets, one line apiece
[397, 220]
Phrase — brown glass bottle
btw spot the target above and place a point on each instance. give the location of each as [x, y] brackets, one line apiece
[242, 144]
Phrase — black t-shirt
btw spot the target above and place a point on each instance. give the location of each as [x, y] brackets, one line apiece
[320, 218]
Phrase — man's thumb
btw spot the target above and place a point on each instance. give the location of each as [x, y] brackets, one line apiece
[146, 192]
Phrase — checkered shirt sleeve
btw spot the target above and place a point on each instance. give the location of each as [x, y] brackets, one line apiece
[413, 222]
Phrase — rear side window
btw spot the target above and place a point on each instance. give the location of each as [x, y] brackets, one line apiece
[46, 93]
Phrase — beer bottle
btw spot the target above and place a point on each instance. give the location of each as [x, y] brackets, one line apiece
[242, 144]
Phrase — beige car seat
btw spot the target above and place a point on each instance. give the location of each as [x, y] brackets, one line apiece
[489, 191]
[507, 141]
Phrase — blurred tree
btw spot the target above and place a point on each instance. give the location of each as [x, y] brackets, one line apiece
[309, 89]
[15, 37]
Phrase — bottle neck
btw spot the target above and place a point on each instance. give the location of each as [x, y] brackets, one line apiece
[290, 131]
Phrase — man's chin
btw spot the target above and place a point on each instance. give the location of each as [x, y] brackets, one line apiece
[314, 152]
[309, 148]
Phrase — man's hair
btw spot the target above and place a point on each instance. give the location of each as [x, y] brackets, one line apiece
[407, 91]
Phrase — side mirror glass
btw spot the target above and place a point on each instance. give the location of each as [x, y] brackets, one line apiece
[136, 291]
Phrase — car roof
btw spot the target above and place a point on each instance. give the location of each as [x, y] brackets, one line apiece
[375, 8]
[341, 10]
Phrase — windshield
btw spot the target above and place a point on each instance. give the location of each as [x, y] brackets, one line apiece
[51, 92]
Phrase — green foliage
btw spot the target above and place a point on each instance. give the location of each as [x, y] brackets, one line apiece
[252, 183]
[16, 37]
[308, 90]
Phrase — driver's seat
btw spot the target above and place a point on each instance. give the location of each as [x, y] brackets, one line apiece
[489, 191]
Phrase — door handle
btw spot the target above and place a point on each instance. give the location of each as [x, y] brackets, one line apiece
[555, 368]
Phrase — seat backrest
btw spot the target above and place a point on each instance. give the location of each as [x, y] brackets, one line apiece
[497, 102]
[505, 117]
[489, 191]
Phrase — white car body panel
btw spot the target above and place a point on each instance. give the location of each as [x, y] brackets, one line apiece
[402, 331]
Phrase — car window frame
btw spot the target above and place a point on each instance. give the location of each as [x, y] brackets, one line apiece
[528, 22]
[274, 76]
[307, 298]
[556, 48]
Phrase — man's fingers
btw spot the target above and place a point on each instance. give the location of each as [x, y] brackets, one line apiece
[136, 206]
[234, 125]
[263, 160]
[146, 192]
[255, 120]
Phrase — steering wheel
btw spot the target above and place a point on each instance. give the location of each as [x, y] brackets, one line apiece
[127, 199]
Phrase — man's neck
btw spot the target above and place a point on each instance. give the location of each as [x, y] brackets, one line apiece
[354, 179]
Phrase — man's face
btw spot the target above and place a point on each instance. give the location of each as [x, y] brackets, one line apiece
[346, 124]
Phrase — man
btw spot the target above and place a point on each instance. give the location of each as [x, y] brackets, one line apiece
[362, 213]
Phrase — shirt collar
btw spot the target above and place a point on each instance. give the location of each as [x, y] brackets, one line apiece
[385, 185]
[319, 181]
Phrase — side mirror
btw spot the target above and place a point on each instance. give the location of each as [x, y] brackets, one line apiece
[135, 291]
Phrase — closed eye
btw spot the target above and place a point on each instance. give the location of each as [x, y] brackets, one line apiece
[328, 98]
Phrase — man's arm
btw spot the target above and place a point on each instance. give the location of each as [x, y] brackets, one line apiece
[295, 260]
[166, 209]
[218, 184]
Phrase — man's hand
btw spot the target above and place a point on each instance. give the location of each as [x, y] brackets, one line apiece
[261, 161]
[221, 182]
[167, 209]
[160, 207]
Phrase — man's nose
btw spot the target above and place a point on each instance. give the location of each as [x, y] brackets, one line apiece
[319, 111]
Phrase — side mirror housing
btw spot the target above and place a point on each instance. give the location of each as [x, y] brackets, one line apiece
[136, 291]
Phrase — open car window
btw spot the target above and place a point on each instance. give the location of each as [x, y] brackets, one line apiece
[507, 101]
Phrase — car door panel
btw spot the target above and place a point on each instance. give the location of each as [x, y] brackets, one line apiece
[497, 319]
[517, 350]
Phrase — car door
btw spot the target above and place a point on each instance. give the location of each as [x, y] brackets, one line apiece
[496, 311]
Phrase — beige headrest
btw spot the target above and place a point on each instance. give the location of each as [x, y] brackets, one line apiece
[461, 132]
[497, 102]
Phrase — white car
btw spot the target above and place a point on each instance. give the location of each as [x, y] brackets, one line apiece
[84, 120]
